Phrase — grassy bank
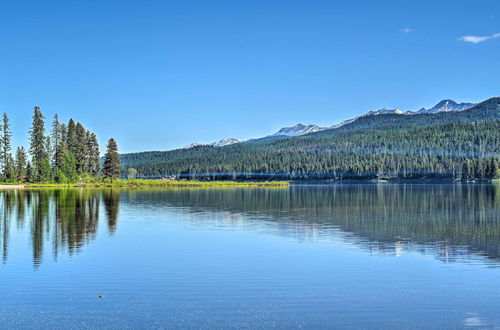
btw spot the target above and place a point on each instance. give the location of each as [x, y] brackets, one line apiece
[160, 184]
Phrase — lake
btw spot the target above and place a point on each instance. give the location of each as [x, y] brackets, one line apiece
[384, 256]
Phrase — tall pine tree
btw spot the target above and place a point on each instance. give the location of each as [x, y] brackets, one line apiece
[94, 154]
[56, 138]
[111, 168]
[81, 149]
[21, 165]
[37, 145]
[71, 140]
[5, 146]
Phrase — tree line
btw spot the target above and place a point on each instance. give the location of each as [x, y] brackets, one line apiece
[466, 151]
[69, 153]
[461, 145]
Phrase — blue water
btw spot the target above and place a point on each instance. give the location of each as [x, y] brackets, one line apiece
[377, 256]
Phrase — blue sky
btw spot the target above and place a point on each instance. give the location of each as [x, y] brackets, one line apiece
[161, 74]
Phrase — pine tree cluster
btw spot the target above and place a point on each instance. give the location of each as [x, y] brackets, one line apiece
[70, 153]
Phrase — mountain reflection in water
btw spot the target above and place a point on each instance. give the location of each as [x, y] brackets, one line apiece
[452, 222]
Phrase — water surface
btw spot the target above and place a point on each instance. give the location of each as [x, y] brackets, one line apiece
[348, 256]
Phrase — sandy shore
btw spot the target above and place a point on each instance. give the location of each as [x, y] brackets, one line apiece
[11, 186]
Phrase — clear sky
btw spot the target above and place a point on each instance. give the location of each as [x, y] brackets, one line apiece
[161, 74]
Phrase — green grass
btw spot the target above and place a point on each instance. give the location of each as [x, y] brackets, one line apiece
[161, 184]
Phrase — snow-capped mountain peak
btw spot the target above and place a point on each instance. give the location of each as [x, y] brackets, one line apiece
[220, 143]
[446, 106]
[297, 130]
[193, 145]
[385, 111]
[300, 129]
[225, 142]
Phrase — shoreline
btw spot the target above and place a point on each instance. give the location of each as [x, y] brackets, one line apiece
[11, 186]
[163, 184]
[226, 184]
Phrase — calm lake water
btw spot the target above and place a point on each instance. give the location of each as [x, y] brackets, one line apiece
[338, 256]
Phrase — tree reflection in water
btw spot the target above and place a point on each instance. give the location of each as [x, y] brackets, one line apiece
[66, 218]
[452, 222]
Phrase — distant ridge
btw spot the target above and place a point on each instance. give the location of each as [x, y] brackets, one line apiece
[442, 106]
[220, 143]
[299, 129]
[446, 106]
[458, 145]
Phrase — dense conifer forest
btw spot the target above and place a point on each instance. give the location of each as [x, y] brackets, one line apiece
[69, 153]
[461, 145]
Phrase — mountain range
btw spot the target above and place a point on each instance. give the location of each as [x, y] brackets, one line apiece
[301, 129]
[446, 106]
[446, 141]
[220, 143]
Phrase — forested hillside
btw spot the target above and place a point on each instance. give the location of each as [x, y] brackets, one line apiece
[462, 144]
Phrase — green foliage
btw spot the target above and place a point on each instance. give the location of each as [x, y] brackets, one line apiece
[88, 178]
[61, 150]
[68, 167]
[119, 183]
[21, 165]
[10, 170]
[70, 153]
[60, 176]
[56, 136]
[5, 149]
[44, 171]
[71, 139]
[30, 175]
[94, 164]
[38, 145]
[459, 145]
[443, 150]
[111, 168]
[81, 150]
[493, 170]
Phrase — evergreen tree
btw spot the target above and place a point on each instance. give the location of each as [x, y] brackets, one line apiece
[10, 170]
[76, 151]
[59, 176]
[37, 144]
[71, 140]
[88, 155]
[461, 150]
[21, 165]
[5, 146]
[56, 137]
[68, 167]
[49, 148]
[93, 154]
[111, 168]
[492, 169]
[44, 172]
[61, 149]
[81, 150]
[29, 173]
[64, 132]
